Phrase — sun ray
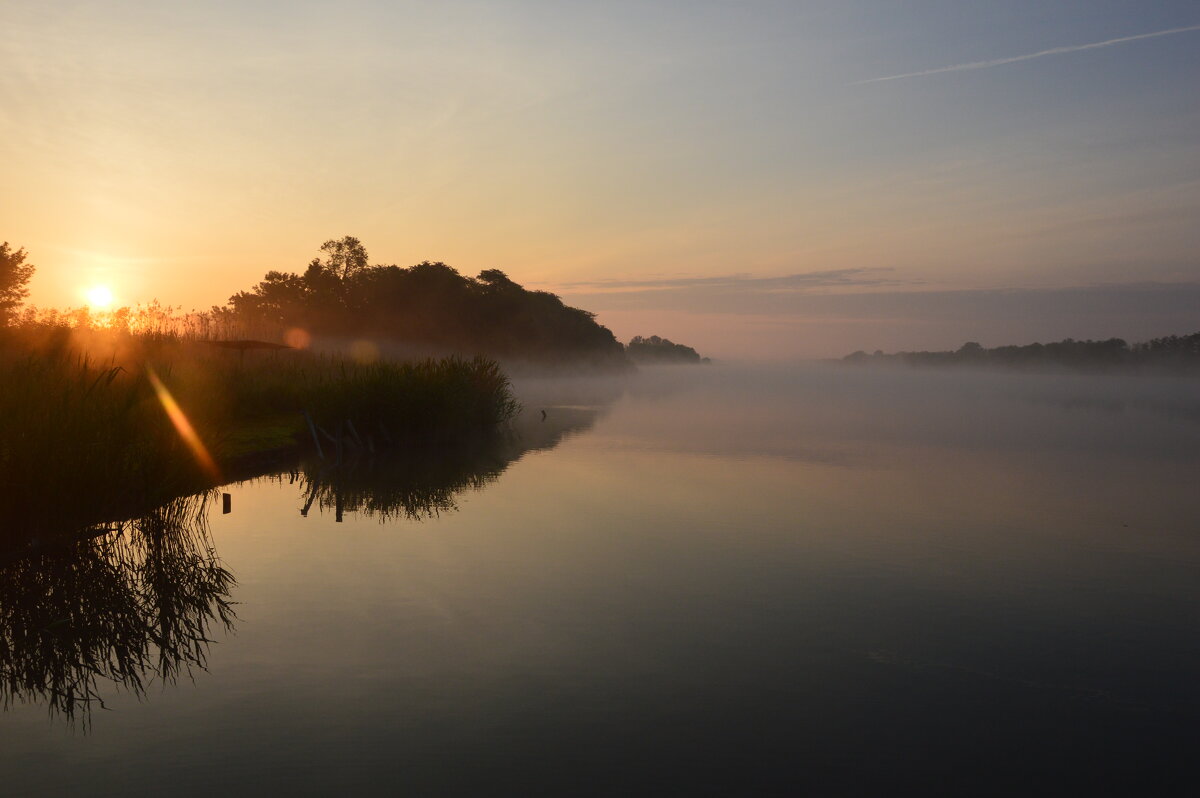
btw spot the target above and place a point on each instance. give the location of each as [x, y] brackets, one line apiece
[183, 426]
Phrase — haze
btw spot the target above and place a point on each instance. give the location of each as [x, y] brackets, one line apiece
[756, 180]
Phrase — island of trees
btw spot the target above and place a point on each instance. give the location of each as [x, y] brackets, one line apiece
[428, 305]
[655, 350]
[1172, 352]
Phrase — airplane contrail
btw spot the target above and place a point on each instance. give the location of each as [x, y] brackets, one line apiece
[1030, 56]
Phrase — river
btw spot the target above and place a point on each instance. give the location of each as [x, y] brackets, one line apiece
[724, 580]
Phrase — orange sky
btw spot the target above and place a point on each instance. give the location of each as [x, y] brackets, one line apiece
[179, 153]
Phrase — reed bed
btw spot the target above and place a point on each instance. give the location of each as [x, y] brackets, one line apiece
[91, 432]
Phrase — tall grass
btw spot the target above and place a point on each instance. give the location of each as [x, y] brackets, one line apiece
[85, 436]
[81, 440]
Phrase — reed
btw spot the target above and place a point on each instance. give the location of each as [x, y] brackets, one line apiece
[98, 432]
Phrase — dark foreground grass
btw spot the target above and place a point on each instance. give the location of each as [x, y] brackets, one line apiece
[88, 435]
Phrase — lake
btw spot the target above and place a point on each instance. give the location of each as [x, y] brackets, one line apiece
[725, 580]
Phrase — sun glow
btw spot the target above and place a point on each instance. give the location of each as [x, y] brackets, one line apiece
[99, 297]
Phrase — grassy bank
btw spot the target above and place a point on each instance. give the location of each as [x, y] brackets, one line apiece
[101, 426]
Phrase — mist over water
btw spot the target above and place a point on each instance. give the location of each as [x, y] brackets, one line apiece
[735, 579]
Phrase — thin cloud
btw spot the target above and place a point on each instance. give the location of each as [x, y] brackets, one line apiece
[1134, 311]
[1030, 56]
[745, 282]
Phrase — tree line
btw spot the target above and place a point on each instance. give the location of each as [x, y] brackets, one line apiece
[1169, 352]
[661, 350]
[341, 294]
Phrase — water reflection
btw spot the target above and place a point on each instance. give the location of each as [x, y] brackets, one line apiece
[974, 590]
[122, 605]
[423, 484]
[125, 605]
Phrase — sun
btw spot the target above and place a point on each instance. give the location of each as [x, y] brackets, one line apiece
[99, 297]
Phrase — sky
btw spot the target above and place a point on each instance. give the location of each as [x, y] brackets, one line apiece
[756, 179]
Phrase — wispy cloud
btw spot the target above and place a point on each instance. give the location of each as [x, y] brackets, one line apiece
[746, 282]
[819, 324]
[1030, 56]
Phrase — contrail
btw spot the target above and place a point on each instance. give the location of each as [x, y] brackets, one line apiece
[1029, 56]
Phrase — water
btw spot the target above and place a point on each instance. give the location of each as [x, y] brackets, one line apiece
[726, 580]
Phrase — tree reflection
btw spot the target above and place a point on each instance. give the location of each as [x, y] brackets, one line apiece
[124, 605]
[121, 605]
[425, 483]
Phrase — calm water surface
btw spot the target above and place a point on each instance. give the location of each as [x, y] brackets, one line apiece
[727, 580]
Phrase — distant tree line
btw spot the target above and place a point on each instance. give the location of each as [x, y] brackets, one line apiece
[341, 294]
[661, 350]
[1170, 352]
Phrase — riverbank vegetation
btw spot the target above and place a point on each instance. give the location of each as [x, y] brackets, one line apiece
[1173, 353]
[342, 303]
[100, 424]
[655, 350]
[106, 414]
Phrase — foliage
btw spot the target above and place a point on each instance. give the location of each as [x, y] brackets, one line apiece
[84, 420]
[429, 304]
[77, 427]
[1173, 352]
[661, 350]
[15, 274]
[345, 258]
[428, 307]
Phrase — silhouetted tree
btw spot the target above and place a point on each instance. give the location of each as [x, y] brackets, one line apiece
[344, 258]
[660, 350]
[279, 298]
[15, 274]
[429, 303]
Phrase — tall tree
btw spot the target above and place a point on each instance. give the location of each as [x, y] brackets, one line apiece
[344, 257]
[14, 276]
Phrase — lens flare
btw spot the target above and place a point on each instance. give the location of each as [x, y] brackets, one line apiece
[365, 352]
[297, 338]
[183, 426]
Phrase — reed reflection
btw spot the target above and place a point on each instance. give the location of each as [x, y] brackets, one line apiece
[120, 607]
[423, 484]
